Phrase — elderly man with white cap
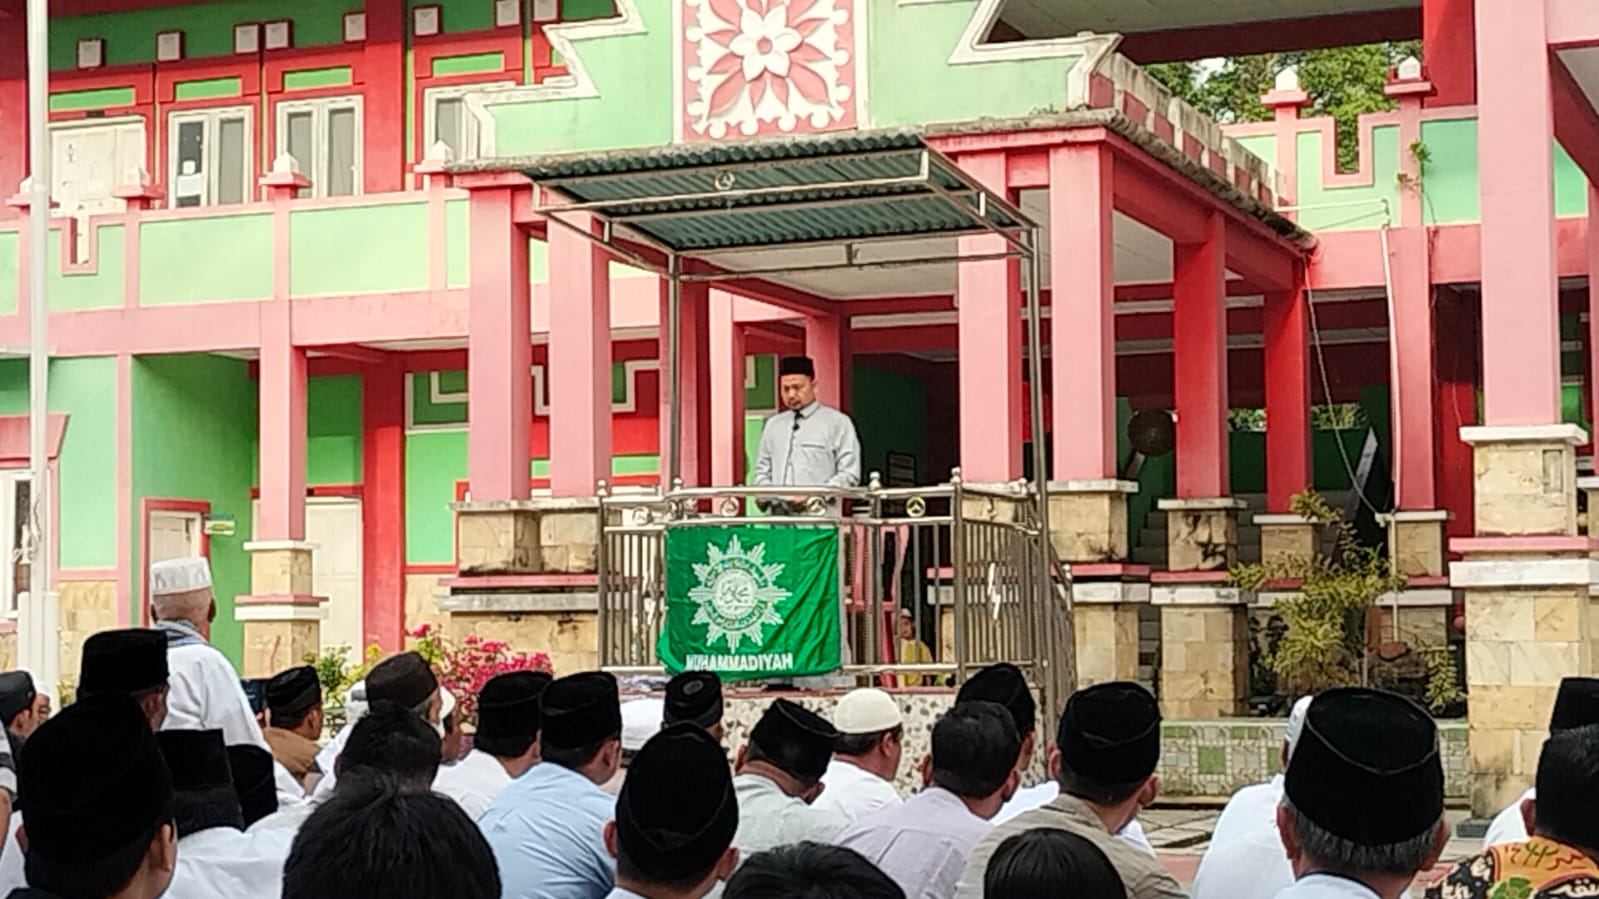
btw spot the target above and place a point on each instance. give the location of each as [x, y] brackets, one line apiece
[860, 778]
[205, 690]
[1246, 859]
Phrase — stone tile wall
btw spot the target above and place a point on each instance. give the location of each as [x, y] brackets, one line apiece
[87, 607]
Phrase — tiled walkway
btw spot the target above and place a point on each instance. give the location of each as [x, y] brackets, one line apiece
[1180, 836]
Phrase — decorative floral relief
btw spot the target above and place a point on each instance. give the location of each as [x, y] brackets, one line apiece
[753, 67]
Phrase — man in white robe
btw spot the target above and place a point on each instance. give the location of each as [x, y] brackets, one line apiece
[860, 778]
[1245, 858]
[506, 744]
[216, 858]
[673, 835]
[1576, 705]
[779, 777]
[205, 692]
[1363, 799]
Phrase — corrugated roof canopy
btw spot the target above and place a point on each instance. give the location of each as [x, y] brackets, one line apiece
[701, 198]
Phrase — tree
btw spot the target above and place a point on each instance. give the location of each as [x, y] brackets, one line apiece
[1344, 82]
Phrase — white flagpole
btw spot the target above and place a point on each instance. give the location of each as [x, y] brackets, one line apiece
[36, 631]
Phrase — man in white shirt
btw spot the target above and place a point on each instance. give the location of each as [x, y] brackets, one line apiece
[860, 778]
[1363, 799]
[205, 690]
[808, 444]
[215, 856]
[1576, 705]
[506, 744]
[779, 776]
[673, 834]
[641, 720]
[1245, 858]
[923, 843]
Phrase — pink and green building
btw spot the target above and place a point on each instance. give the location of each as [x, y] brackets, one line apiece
[273, 302]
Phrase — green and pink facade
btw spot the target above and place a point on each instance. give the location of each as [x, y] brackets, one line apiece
[274, 301]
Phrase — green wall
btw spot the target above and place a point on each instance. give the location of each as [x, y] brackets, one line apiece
[890, 413]
[194, 437]
[207, 28]
[86, 390]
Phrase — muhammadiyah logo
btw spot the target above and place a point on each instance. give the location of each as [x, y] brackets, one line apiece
[737, 594]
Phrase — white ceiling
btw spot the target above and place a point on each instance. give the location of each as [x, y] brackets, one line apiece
[1060, 18]
[1143, 256]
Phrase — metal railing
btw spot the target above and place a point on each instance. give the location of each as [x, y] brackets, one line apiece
[955, 572]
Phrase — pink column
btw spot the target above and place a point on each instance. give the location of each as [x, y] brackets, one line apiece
[499, 351]
[1415, 443]
[13, 103]
[989, 345]
[727, 392]
[827, 343]
[1520, 308]
[694, 383]
[1082, 322]
[579, 380]
[1199, 340]
[1288, 458]
[282, 425]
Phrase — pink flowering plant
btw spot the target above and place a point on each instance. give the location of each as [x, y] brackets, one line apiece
[464, 667]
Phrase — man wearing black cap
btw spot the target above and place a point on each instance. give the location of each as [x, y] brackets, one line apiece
[547, 827]
[807, 444]
[99, 820]
[506, 744]
[294, 723]
[696, 697]
[1561, 858]
[404, 679]
[1363, 798]
[1107, 749]
[132, 662]
[672, 837]
[19, 704]
[215, 856]
[779, 775]
[1576, 705]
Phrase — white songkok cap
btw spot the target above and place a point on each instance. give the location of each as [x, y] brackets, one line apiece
[446, 703]
[1296, 723]
[641, 719]
[867, 710]
[179, 576]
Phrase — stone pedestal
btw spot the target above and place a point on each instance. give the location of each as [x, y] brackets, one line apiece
[1526, 578]
[1088, 520]
[1201, 534]
[1106, 636]
[563, 624]
[1204, 667]
[1417, 542]
[1288, 535]
[280, 567]
[527, 536]
[1000, 503]
[278, 632]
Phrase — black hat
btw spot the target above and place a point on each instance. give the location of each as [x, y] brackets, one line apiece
[694, 696]
[676, 814]
[293, 692]
[125, 661]
[406, 679]
[795, 739]
[16, 694]
[796, 365]
[1366, 768]
[1110, 733]
[1003, 683]
[202, 780]
[508, 705]
[1576, 705]
[94, 785]
[253, 781]
[580, 710]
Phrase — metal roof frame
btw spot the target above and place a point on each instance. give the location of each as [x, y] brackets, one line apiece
[851, 190]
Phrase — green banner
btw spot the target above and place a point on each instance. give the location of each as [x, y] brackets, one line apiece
[751, 602]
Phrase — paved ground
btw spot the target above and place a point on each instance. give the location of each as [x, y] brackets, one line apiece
[1180, 836]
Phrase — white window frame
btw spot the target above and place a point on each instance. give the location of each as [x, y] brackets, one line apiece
[56, 129]
[472, 136]
[320, 107]
[211, 119]
[9, 479]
